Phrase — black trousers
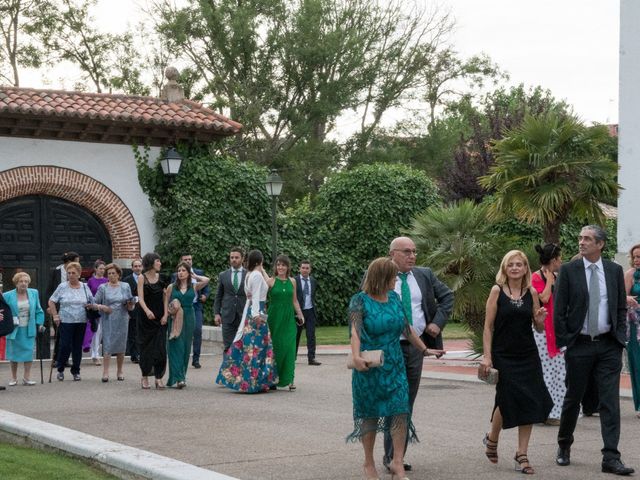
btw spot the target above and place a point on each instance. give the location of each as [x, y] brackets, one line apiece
[229, 329]
[603, 360]
[71, 336]
[132, 334]
[310, 328]
[413, 360]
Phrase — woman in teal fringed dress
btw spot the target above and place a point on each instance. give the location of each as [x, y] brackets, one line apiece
[632, 283]
[179, 303]
[381, 394]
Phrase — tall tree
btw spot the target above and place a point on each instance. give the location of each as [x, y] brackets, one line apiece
[550, 168]
[17, 48]
[287, 70]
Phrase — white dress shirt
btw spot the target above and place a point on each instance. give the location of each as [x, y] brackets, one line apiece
[417, 315]
[603, 310]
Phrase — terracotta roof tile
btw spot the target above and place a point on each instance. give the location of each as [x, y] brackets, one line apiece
[115, 108]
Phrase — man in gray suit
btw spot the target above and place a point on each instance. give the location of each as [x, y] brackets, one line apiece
[428, 303]
[589, 316]
[230, 297]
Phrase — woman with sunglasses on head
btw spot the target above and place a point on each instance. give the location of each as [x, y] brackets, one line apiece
[553, 368]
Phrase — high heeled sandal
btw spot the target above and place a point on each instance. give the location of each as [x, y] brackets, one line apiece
[144, 384]
[159, 385]
[491, 448]
[521, 458]
[367, 477]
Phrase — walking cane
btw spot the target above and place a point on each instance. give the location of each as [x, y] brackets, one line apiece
[40, 338]
[55, 352]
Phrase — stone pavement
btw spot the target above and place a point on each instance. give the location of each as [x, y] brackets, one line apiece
[300, 435]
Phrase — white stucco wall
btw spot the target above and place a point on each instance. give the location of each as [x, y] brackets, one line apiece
[112, 165]
[629, 129]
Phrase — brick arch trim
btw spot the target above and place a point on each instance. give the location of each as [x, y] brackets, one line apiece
[82, 190]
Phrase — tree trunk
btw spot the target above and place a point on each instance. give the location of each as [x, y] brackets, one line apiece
[551, 232]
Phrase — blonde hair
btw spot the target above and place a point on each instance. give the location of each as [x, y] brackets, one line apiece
[19, 276]
[501, 276]
[379, 275]
[75, 266]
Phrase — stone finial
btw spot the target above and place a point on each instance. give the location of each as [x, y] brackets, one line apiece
[172, 91]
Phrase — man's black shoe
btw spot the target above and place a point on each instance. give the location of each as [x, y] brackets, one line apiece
[313, 361]
[196, 365]
[616, 467]
[386, 462]
[135, 360]
[3, 387]
[563, 457]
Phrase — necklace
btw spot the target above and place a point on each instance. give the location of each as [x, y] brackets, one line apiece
[516, 302]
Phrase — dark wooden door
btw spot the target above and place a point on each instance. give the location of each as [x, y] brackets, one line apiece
[35, 231]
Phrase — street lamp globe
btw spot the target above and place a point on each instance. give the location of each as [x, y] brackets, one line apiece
[171, 162]
[274, 184]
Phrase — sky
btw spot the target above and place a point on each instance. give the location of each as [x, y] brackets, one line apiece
[567, 46]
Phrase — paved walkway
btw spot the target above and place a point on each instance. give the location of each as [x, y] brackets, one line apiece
[286, 436]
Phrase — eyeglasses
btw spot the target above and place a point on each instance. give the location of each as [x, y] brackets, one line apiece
[407, 251]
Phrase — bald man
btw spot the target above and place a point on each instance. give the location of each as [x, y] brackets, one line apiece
[428, 303]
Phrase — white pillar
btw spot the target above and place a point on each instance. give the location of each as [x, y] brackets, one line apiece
[629, 130]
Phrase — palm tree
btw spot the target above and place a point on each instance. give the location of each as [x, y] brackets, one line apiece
[550, 168]
[459, 244]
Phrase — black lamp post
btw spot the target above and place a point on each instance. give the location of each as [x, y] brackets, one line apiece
[274, 187]
[171, 162]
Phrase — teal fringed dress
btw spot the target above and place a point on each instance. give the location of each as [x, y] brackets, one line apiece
[380, 395]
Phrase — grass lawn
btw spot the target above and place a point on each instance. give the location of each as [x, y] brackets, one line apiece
[340, 335]
[24, 463]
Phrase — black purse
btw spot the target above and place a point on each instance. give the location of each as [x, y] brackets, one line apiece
[93, 316]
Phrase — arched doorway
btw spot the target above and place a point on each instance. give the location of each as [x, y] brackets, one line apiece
[36, 230]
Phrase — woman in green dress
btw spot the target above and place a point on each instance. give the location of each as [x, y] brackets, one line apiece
[179, 301]
[632, 284]
[282, 311]
[381, 394]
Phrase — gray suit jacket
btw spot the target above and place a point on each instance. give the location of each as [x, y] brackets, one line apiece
[571, 301]
[229, 304]
[437, 303]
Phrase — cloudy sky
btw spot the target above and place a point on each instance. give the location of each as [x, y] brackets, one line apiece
[567, 46]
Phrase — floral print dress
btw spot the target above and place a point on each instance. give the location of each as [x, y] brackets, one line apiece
[248, 366]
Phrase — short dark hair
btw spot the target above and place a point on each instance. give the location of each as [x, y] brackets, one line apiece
[148, 260]
[305, 262]
[97, 263]
[186, 254]
[237, 250]
[254, 259]
[69, 256]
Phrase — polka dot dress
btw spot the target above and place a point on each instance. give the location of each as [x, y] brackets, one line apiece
[553, 371]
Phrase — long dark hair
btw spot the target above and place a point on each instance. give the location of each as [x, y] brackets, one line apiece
[284, 260]
[186, 266]
[547, 253]
[254, 259]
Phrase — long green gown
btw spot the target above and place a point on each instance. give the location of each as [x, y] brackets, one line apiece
[282, 323]
[179, 348]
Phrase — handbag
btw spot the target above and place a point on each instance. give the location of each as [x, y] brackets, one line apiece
[373, 358]
[490, 378]
[93, 316]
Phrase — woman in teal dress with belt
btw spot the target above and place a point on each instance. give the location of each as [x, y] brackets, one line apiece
[381, 394]
[179, 300]
[282, 311]
[25, 306]
[632, 284]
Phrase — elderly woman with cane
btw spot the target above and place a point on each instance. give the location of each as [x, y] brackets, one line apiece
[26, 310]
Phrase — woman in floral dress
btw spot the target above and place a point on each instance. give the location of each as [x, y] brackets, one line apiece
[248, 365]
